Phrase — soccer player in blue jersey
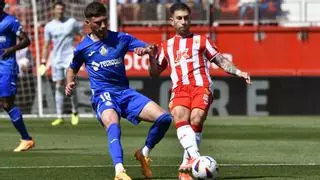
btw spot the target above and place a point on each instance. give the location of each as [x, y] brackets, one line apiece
[102, 51]
[10, 29]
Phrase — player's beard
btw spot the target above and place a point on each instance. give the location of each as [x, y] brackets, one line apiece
[183, 30]
[101, 33]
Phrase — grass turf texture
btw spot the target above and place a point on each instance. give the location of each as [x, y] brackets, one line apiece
[245, 147]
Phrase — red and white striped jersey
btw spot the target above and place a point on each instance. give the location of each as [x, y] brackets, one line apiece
[188, 58]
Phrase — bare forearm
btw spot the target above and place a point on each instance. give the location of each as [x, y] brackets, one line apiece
[154, 68]
[226, 65]
[24, 41]
[71, 75]
[45, 51]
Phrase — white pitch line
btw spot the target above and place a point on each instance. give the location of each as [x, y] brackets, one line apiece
[109, 166]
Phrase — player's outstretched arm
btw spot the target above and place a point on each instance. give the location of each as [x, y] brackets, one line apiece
[230, 68]
[71, 81]
[154, 68]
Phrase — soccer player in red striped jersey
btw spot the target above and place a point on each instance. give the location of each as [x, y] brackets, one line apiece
[188, 54]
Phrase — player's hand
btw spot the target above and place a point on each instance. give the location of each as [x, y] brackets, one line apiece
[69, 88]
[5, 52]
[151, 50]
[246, 77]
[42, 69]
[141, 51]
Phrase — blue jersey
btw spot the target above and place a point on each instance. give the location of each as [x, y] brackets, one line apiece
[10, 28]
[104, 60]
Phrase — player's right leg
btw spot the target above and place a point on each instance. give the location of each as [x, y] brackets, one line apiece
[58, 78]
[108, 114]
[152, 112]
[26, 142]
[180, 107]
[139, 107]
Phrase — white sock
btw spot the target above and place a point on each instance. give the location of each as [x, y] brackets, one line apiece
[185, 157]
[185, 153]
[119, 168]
[145, 151]
[59, 96]
[74, 101]
[187, 139]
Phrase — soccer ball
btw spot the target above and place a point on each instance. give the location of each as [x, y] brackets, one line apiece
[205, 167]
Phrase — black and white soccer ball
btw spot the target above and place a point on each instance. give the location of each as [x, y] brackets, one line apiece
[205, 167]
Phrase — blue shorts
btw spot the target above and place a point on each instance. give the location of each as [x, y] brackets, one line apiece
[8, 86]
[128, 103]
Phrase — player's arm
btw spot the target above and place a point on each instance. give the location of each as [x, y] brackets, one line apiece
[70, 80]
[45, 52]
[24, 41]
[230, 68]
[155, 69]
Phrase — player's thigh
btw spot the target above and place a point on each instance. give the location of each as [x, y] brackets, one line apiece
[180, 103]
[58, 73]
[151, 112]
[202, 98]
[138, 107]
[106, 108]
[8, 86]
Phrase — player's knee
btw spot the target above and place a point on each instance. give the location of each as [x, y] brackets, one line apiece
[7, 106]
[165, 119]
[197, 118]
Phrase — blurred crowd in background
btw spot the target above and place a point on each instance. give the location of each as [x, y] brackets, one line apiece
[155, 12]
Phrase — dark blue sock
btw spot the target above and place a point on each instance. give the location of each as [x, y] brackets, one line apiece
[115, 148]
[158, 130]
[17, 120]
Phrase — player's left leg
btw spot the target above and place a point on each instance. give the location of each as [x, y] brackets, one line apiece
[15, 115]
[74, 103]
[202, 100]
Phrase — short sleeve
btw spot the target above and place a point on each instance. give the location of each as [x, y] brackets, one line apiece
[77, 60]
[15, 26]
[211, 50]
[162, 60]
[47, 35]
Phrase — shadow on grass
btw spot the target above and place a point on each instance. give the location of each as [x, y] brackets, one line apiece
[253, 177]
[168, 177]
[58, 149]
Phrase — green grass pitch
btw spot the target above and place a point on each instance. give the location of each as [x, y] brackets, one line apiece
[245, 147]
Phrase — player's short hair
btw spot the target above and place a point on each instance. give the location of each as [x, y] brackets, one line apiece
[179, 6]
[60, 3]
[95, 9]
[2, 4]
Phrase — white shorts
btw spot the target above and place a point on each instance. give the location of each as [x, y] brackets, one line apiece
[58, 73]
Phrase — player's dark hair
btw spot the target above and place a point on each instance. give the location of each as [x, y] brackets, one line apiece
[95, 9]
[179, 6]
[60, 3]
[2, 4]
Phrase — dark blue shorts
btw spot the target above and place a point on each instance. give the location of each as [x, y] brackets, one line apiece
[128, 103]
[8, 86]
